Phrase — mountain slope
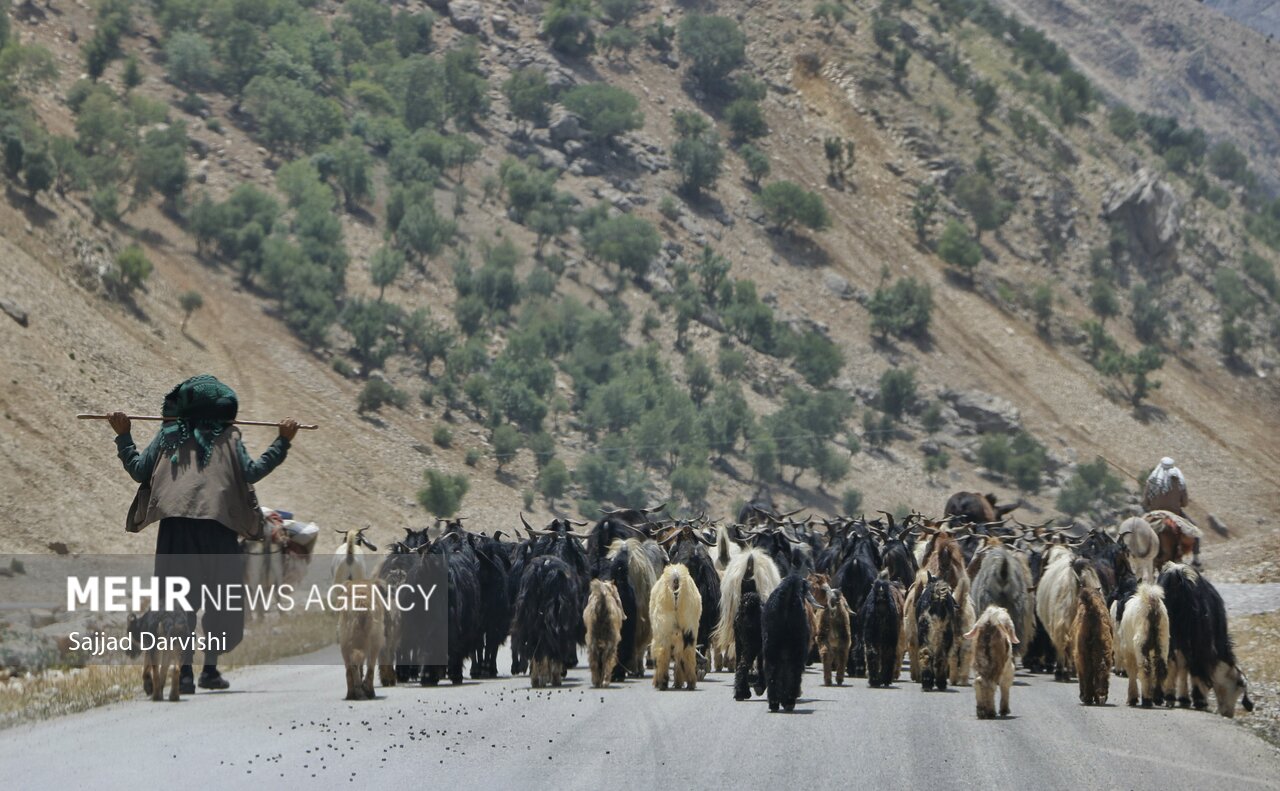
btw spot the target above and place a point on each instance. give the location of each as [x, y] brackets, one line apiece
[366, 470]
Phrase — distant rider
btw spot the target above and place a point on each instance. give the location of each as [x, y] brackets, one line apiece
[1166, 489]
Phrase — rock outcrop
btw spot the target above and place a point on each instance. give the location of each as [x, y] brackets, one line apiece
[1150, 211]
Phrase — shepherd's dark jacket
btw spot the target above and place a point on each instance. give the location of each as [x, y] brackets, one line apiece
[221, 490]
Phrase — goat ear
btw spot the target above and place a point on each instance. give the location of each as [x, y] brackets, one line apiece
[969, 634]
[1013, 637]
[368, 544]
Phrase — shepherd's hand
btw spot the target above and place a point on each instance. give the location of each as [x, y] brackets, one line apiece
[120, 422]
[288, 429]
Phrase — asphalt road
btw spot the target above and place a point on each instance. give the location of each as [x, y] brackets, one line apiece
[286, 726]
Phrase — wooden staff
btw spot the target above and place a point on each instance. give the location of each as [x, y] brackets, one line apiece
[301, 426]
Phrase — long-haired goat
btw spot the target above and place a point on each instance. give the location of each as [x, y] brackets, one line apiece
[881, 622]
[786, 641]
[547, 616]
[1091, 645]
[833, 632]
[748, 637]
[360, 636]
[936, 625]
[1057, 598]
[1142, 643]
[765, 576]
[604, 618]
[674, 609]
[1004, 580]
[1200, 651]
[993, 639]
[643, 567]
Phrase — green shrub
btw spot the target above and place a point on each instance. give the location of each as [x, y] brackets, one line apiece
[377, 393]
[190, 302]
[958, 248]
[1123, 122]
[442, 436]
[897, 391]
[133, 266]
[628, 241]
[442, 496]
[714, 47]
[696, 154]
[786, 203]
[757, 163]
[993, 453]
[606, 111]
[567, 24]
[506, 442]
[528, 95]
[901, 309]
[553, 480]
[931, 418]
[850, 502]
[816, 357]
[1260, 271]
[746, 120]
[1090, 483]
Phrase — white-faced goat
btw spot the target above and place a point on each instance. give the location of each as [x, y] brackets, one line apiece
[674, 609]
[603, 617]
[1142, 642]
[993, 639]
[352, 560]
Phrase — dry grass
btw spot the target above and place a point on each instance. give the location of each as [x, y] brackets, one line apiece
[1256, 639]
[61, 692]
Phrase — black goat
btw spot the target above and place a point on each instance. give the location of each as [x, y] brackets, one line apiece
[548, 617]
[786, 641]
[1201, 654]
[881, 621]
[937, 622]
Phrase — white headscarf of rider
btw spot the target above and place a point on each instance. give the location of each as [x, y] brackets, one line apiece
[1161, 478]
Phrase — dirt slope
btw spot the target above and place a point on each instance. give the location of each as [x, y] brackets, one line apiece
[82, 352]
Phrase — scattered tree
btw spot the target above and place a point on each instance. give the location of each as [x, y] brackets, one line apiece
[958, 248]
[442, 496]
[786, 203]
[190, 301]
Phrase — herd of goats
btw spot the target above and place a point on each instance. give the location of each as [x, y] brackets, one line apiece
[769, 594]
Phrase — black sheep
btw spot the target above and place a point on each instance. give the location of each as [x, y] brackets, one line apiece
[881, 621]
[786, 641]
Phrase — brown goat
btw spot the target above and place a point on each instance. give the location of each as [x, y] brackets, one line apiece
[1091, 645]
[944, 558]
[833, 634]
[603, 617]
[360, 635]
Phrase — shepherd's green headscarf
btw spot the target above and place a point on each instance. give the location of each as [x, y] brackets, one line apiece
[200, 408]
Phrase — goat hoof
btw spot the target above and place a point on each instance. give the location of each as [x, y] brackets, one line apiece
[1184, 702]
[1146, 703]
[773, 705]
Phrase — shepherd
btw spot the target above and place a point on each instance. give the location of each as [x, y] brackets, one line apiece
[196, 479]
[1166, 489]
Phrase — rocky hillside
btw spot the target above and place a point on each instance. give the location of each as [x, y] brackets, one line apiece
[858, 256]
[1181, 58]
[1261, 15]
